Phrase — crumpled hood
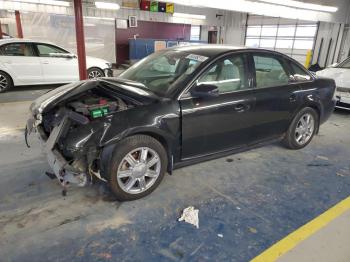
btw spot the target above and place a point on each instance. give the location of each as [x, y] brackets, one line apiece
[132, 91]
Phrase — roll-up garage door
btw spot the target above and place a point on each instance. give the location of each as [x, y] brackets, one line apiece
[288, 36]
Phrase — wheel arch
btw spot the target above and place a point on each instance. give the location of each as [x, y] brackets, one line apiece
[315, 106]
[96, 67]
[11, 78]
[107, 151]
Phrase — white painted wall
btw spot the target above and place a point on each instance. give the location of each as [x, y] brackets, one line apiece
[234, 28]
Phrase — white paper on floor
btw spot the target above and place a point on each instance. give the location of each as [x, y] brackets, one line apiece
[190, 215]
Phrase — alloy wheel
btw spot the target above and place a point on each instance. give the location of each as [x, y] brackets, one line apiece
[138, 170]
[93, 74]
[304, 129]
[3, 82]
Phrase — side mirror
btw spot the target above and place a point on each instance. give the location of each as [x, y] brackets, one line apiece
[205, 90]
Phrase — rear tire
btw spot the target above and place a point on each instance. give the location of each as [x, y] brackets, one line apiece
[302, 129]
[6, 82]
[95, 72]
[137, 167]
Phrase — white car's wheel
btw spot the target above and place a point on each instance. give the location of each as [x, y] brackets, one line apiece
[94, 73]
[5, 82]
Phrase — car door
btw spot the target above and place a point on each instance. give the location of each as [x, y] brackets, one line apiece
[217, 123]
[277, 95]
[18, 59]
[57, 69]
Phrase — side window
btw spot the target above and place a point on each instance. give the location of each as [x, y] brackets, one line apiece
[228, 75]
[299, 74]
[45, 50]
[16, 49]
[269, 72]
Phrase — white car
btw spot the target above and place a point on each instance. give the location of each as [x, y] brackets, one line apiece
[341, 74]
[29, 62]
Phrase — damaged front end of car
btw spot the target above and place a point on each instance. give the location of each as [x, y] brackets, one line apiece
[73, 120]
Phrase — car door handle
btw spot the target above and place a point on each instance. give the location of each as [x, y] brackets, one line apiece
[241, 107]
[293, 98]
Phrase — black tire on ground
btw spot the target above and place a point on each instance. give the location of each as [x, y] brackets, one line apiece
[6, 82]
[121, 150]
[95, 72]
[290, 139]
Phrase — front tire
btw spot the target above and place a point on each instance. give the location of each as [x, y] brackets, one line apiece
[6, 82]
[302, 129]
[94, 73]
[138, 166]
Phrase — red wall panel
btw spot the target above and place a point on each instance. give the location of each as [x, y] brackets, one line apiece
[146, 29]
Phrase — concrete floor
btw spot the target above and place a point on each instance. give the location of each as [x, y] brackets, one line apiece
[246, 202]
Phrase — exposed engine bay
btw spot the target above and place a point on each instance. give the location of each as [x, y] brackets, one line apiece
[72, 130]
[84, 109]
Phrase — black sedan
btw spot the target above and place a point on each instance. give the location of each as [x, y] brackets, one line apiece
[177, 107]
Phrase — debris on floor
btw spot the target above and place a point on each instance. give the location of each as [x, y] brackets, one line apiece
[190, 215]
[253, 230]
[343, 172]
[220, 235]
[323, 157]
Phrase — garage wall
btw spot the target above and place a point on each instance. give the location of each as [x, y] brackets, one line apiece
[99, 27]
[234, 26]
[60, 29]
[328, 43]
[344, 51]
[146, 29]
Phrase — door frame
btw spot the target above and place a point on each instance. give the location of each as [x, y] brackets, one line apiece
[248, 80]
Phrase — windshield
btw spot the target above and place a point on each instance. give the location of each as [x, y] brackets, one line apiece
[162, 70]
[344, 64]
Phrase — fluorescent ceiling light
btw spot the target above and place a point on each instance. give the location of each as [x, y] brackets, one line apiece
[104, 5]
[297, 4]
[45, 2]
[191, 16]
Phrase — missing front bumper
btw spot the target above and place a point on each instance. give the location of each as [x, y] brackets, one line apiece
[64, 172]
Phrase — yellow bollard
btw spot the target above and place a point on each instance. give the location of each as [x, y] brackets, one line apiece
[308, 58]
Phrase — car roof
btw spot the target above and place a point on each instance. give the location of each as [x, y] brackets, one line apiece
[212, 50]
[207, 49]
[21, 40]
